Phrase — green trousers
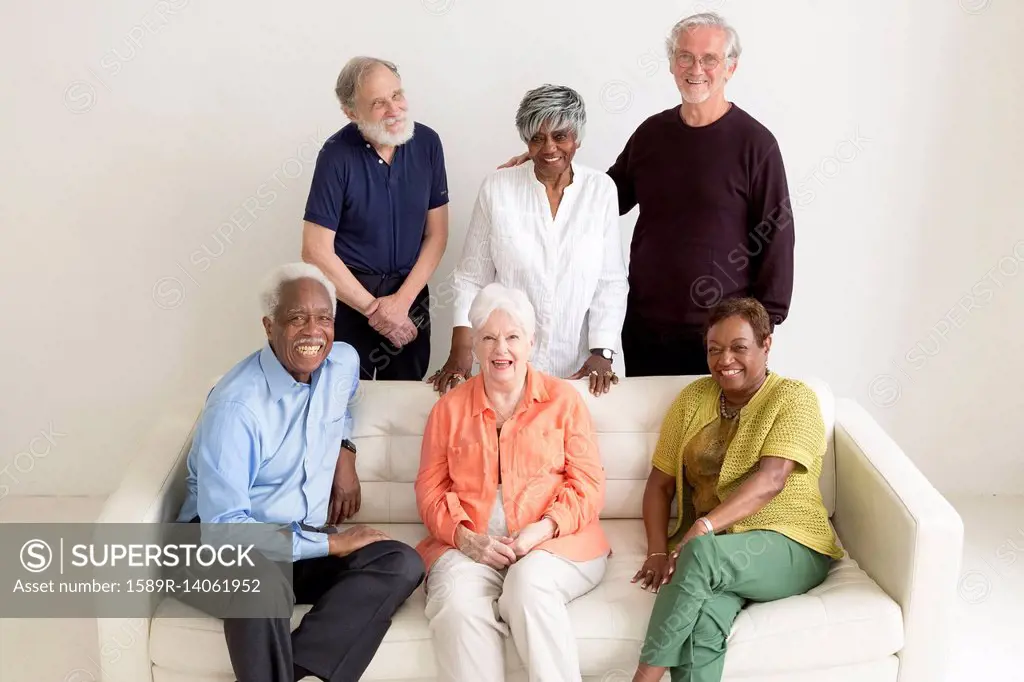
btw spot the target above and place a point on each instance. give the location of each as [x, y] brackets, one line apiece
[714, 577]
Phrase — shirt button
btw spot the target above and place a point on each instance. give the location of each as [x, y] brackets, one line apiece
[367, 146]
[380, 160]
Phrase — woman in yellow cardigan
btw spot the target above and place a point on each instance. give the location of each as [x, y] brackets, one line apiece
[741, 452]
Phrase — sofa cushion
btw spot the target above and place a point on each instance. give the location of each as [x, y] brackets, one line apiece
[845, 620]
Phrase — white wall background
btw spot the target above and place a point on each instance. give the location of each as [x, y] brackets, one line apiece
[136, 131]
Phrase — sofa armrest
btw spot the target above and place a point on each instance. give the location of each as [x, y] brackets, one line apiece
[150, 492]
[902, 532]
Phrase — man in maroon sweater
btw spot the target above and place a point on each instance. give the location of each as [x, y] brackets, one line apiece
[715, 217]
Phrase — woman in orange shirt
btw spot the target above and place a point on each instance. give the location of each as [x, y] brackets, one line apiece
[510, 487]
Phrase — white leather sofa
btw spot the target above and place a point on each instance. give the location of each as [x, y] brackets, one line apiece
[881, 615]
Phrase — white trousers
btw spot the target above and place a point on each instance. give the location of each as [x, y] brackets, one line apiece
[472, 608]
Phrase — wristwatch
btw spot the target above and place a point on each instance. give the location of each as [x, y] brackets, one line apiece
[349, 445]
[606, 353]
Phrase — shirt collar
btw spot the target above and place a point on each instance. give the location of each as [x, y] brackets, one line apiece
[534, 392]
[279, 381]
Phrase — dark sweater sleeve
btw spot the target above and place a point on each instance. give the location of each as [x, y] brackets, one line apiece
[771, 217]
[622, 175]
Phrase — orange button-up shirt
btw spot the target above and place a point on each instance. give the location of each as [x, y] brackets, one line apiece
[550, 466]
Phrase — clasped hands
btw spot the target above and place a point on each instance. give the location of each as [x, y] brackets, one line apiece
[502, 552]
[389, 317]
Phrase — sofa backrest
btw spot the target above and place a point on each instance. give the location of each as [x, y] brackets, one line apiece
[390, 416]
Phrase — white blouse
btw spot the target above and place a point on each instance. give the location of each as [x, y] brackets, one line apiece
[571, 267]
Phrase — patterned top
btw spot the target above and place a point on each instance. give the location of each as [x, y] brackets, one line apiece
[702, 462]
[783, 419]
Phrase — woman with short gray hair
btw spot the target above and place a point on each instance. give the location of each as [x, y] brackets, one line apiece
[510, 488]
[549, 227]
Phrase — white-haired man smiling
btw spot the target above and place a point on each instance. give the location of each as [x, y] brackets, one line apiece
[272, 447]
[715, 217]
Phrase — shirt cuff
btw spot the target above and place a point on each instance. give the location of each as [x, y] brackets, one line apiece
[563, 521]
[308, 545]
[460, 314]
[599, 339]
[457, 518]
[321, 220]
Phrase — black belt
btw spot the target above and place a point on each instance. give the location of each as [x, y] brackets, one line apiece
[329, 530]
[360, 275]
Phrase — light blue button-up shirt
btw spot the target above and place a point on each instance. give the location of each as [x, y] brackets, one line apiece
[266, 446]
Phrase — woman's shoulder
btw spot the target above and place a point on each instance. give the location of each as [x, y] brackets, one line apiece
[791, 396]
[556, 387]
[789, 390]
[694, 397]
[599, 179]
[506, 177]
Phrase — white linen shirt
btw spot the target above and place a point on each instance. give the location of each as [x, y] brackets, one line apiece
[570, 267]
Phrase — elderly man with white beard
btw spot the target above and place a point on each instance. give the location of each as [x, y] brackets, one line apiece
[376, 221]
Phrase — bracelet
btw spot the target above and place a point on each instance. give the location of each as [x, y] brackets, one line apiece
[657, 554]
[707, 524]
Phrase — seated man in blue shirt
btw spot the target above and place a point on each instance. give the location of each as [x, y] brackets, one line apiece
[271, 443]
[376, 221]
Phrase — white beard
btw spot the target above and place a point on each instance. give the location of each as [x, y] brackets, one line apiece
[699, 99]
[378, 134]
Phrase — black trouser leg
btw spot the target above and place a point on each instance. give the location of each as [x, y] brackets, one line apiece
[260, 649]
[378, 358]
[656, 350]
[354, 599]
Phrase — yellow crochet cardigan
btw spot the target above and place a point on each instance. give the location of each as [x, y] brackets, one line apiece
[783, 419]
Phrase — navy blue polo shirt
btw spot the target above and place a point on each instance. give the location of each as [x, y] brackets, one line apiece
[377, 210]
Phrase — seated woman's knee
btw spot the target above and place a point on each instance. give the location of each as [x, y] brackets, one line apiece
[695, 553]
[448, 604]
[526, 581]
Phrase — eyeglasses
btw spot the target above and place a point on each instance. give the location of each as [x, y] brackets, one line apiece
[708, 62]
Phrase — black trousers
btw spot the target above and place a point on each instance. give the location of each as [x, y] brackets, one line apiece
[353, 598]
[650, 349]
[378, 358]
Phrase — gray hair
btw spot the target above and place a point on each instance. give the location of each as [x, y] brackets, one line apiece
[559, 106]
[351, 77]
[270, 296]
[710, 19]
[497, 296]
